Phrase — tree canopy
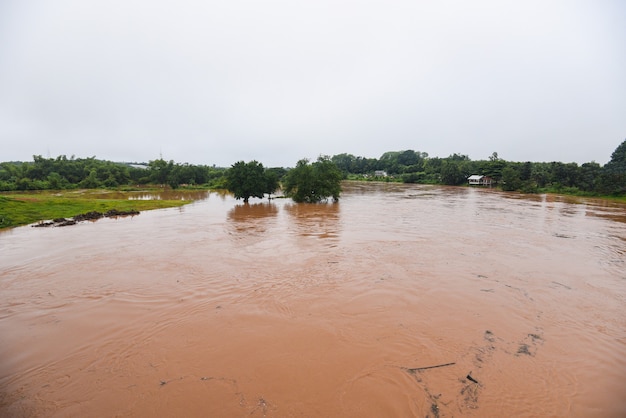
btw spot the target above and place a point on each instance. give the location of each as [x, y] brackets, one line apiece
[407, 166]
[618, 159]
[246, 180]
[313, 182]
[613, 178]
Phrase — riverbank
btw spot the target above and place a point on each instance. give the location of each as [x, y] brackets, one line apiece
[17, 209]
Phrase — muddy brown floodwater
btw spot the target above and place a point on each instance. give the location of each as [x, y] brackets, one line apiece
[220, 309]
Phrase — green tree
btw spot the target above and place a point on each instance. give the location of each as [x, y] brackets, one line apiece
[526, 171]
[245, 180]
[618, 160]
[540, 174]
[345, 162]
[451, 173]
[511, 179]
[312, 183]
[159, 170]
[493, 168]
[271, 181]
[91, 181]
[174, 176]
[408, 157]
[389, 162]
[216, 177]
[413, 177]
[364, 165]
[25, 184]
[563, 175]
[589, 176]
[111, 181]
[432, 166]
[56, 182]
[613, 178]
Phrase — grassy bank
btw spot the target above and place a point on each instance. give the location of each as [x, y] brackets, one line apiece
[26, 208]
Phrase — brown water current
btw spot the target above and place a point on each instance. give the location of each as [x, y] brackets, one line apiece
[277, 309]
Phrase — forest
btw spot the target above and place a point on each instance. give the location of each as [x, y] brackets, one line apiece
[406, 166]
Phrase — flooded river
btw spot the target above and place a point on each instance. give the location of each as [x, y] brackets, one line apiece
[398, 301]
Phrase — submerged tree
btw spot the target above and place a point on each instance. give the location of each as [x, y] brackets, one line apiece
[247, 180]
[312, 183]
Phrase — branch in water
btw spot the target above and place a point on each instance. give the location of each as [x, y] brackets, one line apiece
[417, 369]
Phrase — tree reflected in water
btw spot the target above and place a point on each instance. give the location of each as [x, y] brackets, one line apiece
[253, 219]
[321, 220]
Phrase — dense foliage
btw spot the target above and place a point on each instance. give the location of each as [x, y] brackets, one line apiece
[530, 177]
[63, 173]
[407, 166]
[245, 180]
[312, 183]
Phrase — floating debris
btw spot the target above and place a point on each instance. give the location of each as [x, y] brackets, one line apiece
[89, 216]
[417, 369]
[470, 378]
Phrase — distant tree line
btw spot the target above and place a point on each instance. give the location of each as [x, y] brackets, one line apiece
[530, 177]
[68, 173]
[252, 179]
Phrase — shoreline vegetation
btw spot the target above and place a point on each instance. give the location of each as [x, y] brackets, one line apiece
[25, 208]
[44, 207]
[49, 188]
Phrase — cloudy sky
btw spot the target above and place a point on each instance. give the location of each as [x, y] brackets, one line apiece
[218, 81]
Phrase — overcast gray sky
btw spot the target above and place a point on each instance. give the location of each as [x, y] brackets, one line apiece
[215, 82]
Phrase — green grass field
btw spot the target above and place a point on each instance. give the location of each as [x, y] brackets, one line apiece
[25, 208]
